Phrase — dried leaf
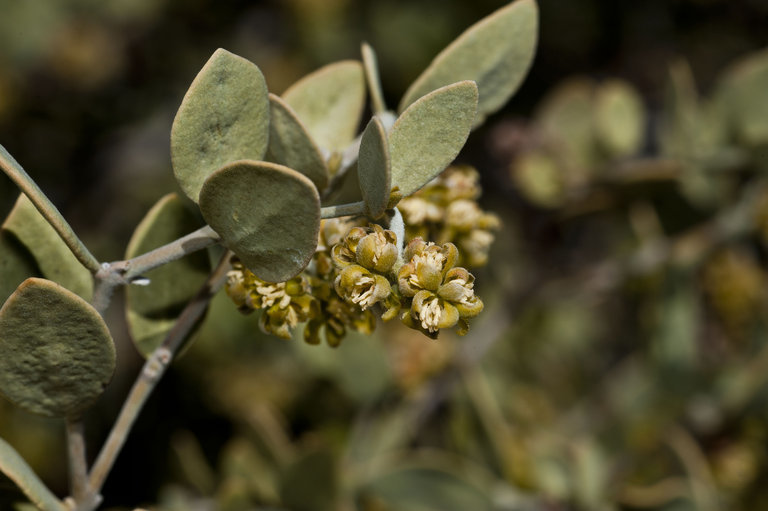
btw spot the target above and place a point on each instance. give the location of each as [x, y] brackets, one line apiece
[224, 117]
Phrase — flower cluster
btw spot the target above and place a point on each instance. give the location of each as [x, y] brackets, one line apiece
[446, 210]
[423, 285]
[360, 272]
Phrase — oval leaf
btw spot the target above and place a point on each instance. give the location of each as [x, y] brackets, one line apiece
[153, 309]
[373, 168]
[429, 135]
[330, 102]
[619, 118]
[224, 117]
[495, 52]
[742, 96]
[56, 353]
[53, 257]
[566, 120]
[267, 214]
[291, 145]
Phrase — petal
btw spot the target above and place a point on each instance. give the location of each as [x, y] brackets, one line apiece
[429, 276]
[403, 280]
[470, 311]
[449, 315]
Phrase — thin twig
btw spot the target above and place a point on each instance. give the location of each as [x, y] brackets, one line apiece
[78, 467]
[111, 275]
[46, 208]
[153, 370]
[353, 208]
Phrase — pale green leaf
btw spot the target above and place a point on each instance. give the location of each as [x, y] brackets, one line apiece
[56, 353]
[330, 102]
[291, 145]
[619, 118]
[53, 257]
[566, 120]
[153, 309]
[267, 214]
[539, 179]
[315, 474]
[371, 66]
[430, 133]
[421, 489]
[373, 168]
[495, 52]
[16, 264]
[743, 98]
[18, 471]
[224, 117]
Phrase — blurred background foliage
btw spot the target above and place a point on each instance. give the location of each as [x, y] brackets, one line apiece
[622, 360]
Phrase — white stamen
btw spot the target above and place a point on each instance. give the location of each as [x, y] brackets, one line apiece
[430, 315]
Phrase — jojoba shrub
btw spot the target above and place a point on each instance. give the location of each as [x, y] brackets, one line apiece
[263, 181]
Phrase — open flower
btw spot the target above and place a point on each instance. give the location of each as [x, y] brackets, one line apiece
[443, 295]
[427, 265]
[362, 287]
[280, 318]
[285, 304]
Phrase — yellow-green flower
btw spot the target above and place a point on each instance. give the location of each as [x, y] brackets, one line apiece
[280, 318]
[443, 295]
[362, 287]
[427, 265]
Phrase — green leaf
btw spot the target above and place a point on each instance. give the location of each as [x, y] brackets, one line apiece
[371, 67]
[267, 214]
[566, 120]
[495, 52]
[152, 310]
[291, 145]
[16, 264]
[539, 179]
[18, 471]
[224, 117]
[53, 257]
[56, 353]
[330, 102]
[373, 168]
[742, 94]
[420, 489]
[311, 483]
[430, 133]
[619, 118]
